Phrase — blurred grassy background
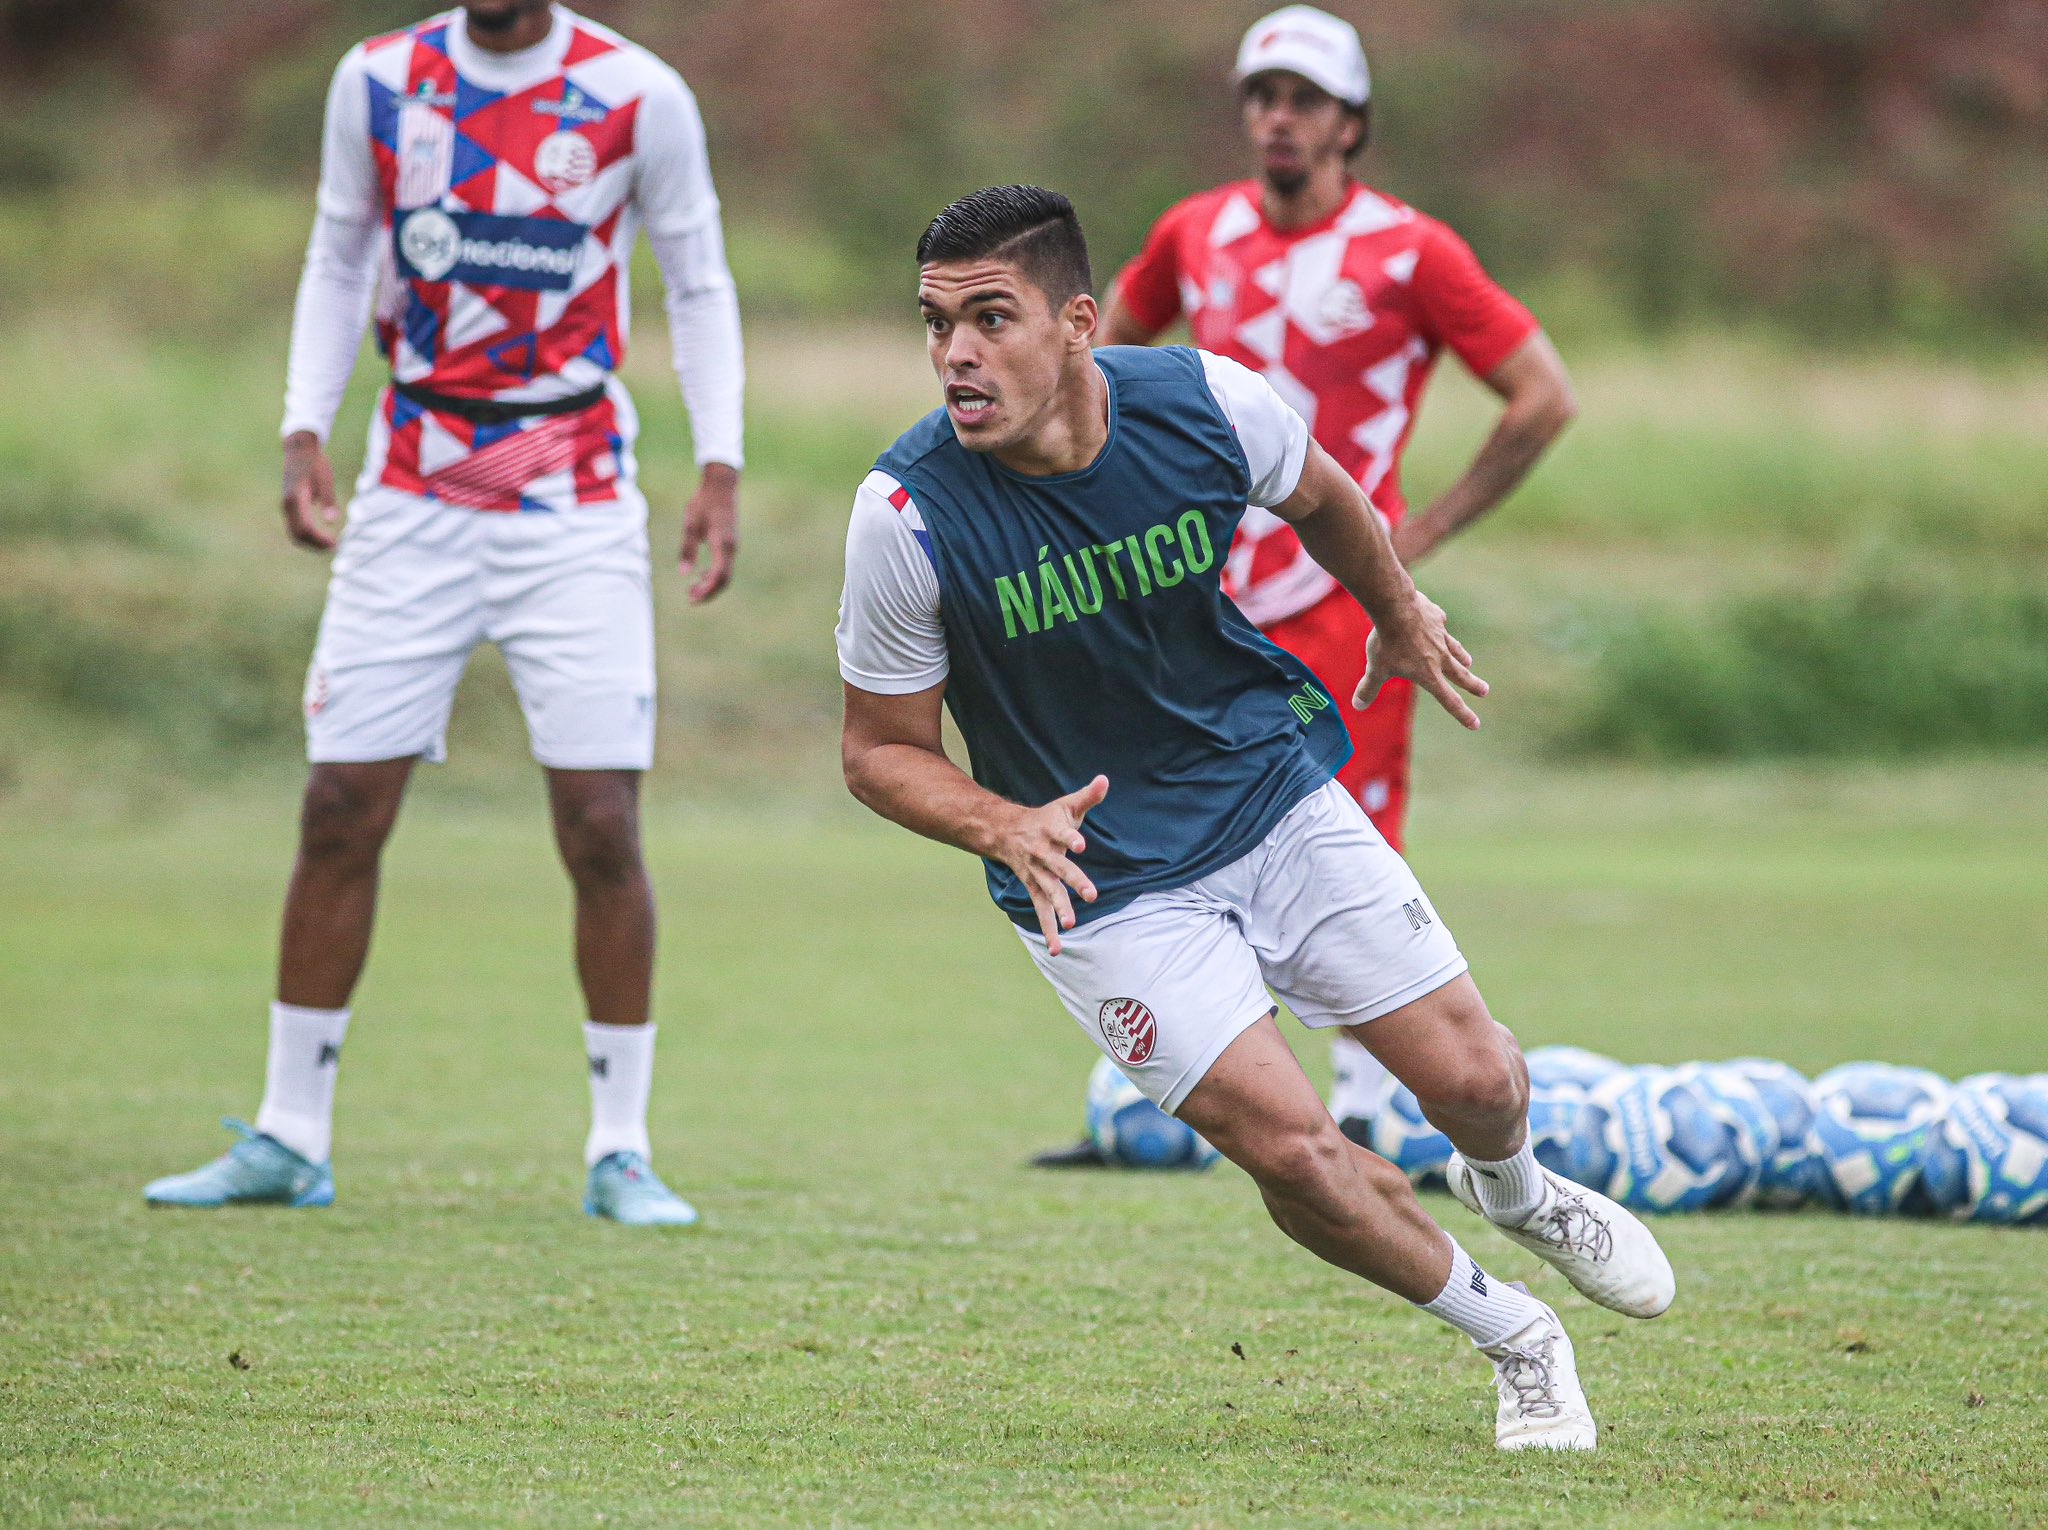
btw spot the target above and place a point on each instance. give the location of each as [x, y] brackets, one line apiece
[1745, 548]
[1792, 249]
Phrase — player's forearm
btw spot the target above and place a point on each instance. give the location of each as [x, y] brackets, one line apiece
[1514, 448]
[704, 338]
[1539, 404]
[328, 319]
[1346, 536]
[928, 794]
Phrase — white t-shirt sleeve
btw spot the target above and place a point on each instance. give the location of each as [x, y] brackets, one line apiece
[1273, 436]
[890, 638]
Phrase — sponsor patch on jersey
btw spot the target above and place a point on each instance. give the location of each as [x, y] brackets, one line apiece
[564, 161]
[1129, 1029]
[425, 94]
[574, 106]
[487, 250]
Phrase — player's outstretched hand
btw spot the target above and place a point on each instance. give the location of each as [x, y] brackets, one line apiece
[1423, 651]
[311, 516]
[1036, 846]
[711, 532]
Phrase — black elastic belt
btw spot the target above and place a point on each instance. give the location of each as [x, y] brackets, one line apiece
[486, 411]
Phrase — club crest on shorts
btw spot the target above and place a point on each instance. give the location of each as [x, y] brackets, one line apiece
[315, 699]
[1129, 1029]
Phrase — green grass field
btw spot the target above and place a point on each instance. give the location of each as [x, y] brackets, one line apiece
[885, 1320]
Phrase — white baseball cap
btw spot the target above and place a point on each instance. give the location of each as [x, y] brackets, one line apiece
[1319, 47]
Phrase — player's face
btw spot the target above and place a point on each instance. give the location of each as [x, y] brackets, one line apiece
[1294, 127]
[999, 346]
[495, 17]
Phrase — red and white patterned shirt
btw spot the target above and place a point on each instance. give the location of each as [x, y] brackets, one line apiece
[1345, 318]
[510, 190]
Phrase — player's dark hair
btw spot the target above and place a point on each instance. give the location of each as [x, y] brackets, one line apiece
[1034, 229]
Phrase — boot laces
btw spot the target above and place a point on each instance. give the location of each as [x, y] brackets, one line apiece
[1526, 1373]
[1573, 1226]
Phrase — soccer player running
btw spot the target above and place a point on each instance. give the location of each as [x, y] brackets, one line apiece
[484, 176]
[1152, 792]
[1343, 299]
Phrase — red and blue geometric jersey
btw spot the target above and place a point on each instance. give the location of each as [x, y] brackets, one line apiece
[510, 218]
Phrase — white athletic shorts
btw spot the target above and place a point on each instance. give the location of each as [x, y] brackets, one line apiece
[418, 584]
[1324, 913]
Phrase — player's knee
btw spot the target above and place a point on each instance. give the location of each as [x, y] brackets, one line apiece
[1488, 1087]
[1301, 1161]
[340, 820]
[600, 841]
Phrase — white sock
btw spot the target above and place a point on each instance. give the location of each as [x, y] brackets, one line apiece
[298, 1083]
[1485, 1310]
[1509, 1190]
[621, 1077]
[1363, 1084]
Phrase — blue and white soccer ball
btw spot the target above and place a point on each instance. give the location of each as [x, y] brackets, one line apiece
[1651, 1140]
[1988, 1157]
[1554, 1111]
[1133, 1133]
[1739, 1106]
[1791, 1176]
[1573, 1066]
[1407, 1141]
[1873, 1123]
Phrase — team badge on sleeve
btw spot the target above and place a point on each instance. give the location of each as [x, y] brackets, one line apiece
[1129, 1029]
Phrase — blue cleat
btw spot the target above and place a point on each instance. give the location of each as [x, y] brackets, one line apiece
[257, 1171]
[625, 1188]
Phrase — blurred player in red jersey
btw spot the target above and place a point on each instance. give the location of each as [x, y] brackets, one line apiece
[1342, 298]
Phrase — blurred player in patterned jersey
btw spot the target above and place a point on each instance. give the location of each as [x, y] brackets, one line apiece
[1343, 299]
[484, 176]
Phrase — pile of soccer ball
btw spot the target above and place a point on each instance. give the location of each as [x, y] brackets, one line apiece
[1865, 1137]
[1130, 1132]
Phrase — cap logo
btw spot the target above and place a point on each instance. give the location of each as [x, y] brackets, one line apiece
[1278, 35]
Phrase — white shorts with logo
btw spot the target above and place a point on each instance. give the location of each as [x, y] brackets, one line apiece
[417, 584]
[1323, 912]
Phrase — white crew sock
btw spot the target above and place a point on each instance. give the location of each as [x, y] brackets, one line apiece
[1485, 1310]
[1363, 1085]
[621, 1077]
[298, 1084]
[1511, 1189]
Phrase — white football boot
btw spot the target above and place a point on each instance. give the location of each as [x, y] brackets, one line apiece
[1602, 1248]
[1542, 1406]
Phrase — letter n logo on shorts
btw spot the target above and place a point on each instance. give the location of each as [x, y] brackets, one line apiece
[1129, 1029]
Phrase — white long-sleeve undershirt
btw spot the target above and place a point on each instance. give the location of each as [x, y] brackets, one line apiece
[336, 288]
[704, 338]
